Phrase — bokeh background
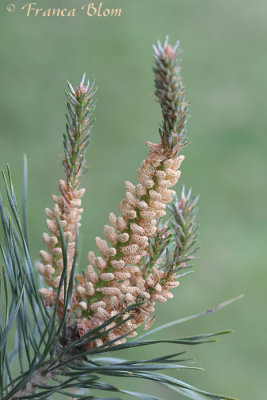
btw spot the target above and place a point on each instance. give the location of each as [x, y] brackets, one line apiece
[224, 71]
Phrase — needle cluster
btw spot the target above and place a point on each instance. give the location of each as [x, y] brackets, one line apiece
[169, 91]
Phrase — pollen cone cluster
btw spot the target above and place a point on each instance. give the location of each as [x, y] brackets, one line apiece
[67, 211]
[121, 276]
[115, 280]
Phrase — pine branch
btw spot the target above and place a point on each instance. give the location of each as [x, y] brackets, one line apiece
[65, 343]
[66, 214]
[56, 365]
[117, 278]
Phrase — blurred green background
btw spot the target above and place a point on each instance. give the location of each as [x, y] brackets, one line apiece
[224, 71]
